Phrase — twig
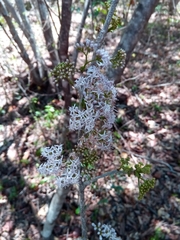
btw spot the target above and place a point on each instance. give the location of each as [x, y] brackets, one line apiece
[86, 183]
[127, 123]
[47, 32]
[79, 34]
[164, 84]
[129, 79]
[10, 38]
[50, 10]
[104, 30]
[146, 54]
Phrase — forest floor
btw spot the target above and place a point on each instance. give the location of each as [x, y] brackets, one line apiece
[147, 131]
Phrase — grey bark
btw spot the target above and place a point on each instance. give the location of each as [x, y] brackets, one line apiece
[132, 33]
[26, 27]
[14, 14]
[33, 73]
[81, 26]
[53, 212]
[104, 30]
[47, 31]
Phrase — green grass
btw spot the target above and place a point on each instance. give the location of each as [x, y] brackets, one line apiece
[158, 235]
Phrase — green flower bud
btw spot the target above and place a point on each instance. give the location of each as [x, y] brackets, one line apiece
[145, 187]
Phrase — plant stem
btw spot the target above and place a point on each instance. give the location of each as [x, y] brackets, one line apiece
[104, 30]
[82, 211]
[110, 173]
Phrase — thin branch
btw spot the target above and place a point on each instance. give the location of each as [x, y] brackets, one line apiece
[50, 10]
[26, 28]
[164, 84]
[140, 156]
[152, 160]
[110, 173]
[10, 38]
[47, 31]
[79, 34]
[15, 35]
[130, 79]
[104, 30]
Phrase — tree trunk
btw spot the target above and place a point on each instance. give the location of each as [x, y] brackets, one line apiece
[23, 53]
[63, 45]
[63, 41]
[53, 212]
[132, 33]
[30, 36]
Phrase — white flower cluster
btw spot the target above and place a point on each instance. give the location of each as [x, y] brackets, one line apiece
[97, 119]
[105, 231]
[71, 174]
[104, 58]
[54, 162]
[65, 174]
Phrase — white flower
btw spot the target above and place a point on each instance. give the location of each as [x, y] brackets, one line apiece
[105, 58]
[104, 141]
[50, 167]
[82, 118]
[104, 230]
[71, 174]
[90, 44]
[65, 173]
[99, 95]
[76, 118]
[89, 119]
[52, 152]
[54, 160]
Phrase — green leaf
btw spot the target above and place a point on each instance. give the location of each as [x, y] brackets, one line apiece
[77, 211]
[117, 135]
